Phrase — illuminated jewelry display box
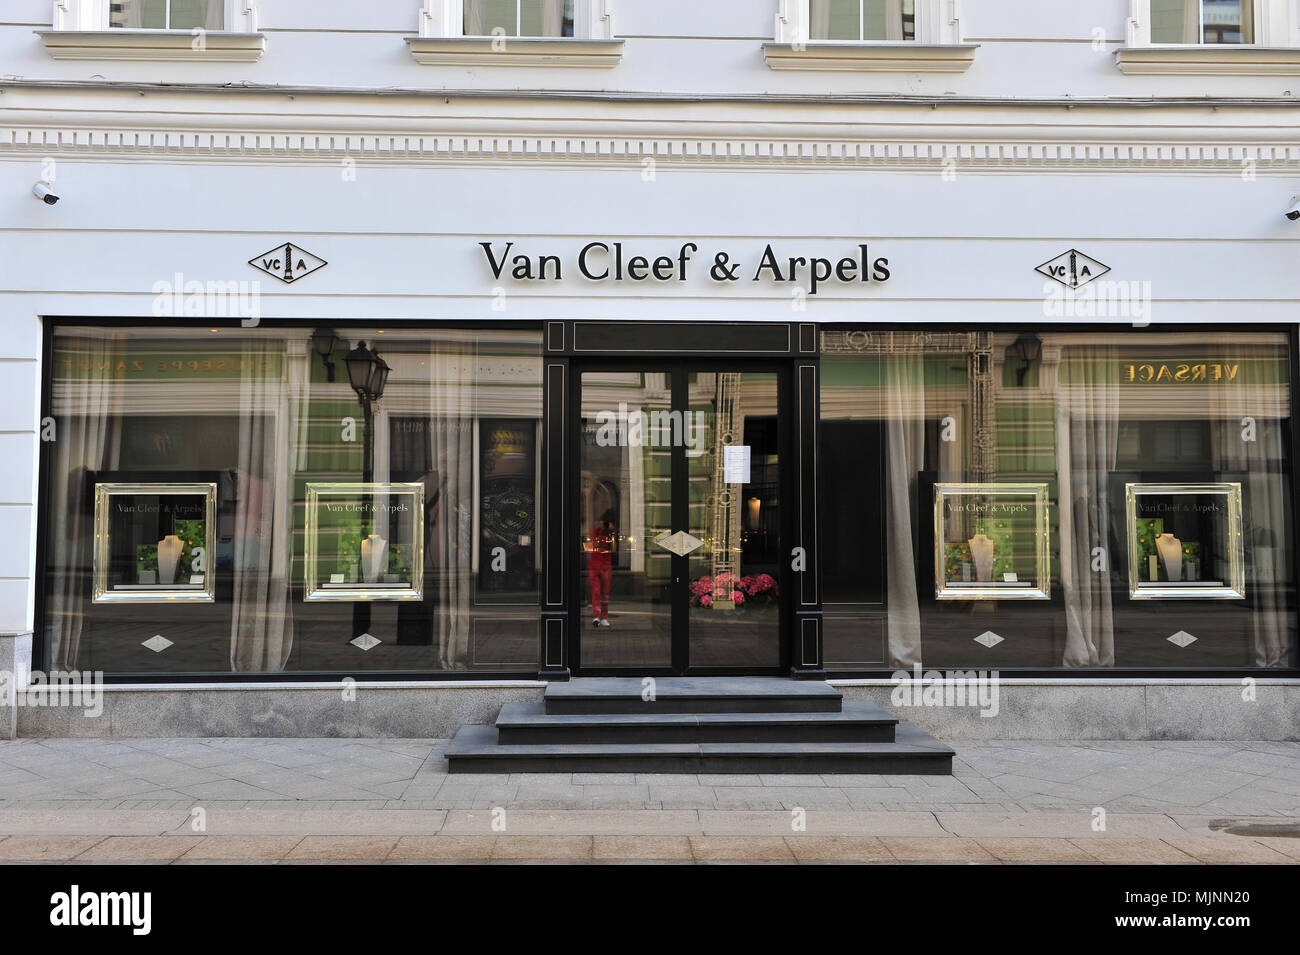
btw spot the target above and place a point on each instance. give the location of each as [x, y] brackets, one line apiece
[1185, 541]
[153, 542]
[991, 542]
[365, 542]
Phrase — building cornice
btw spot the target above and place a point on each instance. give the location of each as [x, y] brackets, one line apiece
[153, 45]
[281, 126]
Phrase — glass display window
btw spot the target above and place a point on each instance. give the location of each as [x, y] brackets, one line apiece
[153, 542]
[991, 542]
[1185, 541]
[365, 541]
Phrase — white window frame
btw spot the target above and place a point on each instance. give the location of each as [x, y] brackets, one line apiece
[938, 47]
[442, 41]
[92, 15]
[1276, 48]
[445, 19]
[79, 30]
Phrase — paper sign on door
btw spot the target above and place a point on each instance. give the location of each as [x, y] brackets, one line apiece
[735, 464]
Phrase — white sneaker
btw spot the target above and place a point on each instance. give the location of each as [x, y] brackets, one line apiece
[603, 623]
[595, 621]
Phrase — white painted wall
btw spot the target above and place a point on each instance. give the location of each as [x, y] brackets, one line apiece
[155, 183]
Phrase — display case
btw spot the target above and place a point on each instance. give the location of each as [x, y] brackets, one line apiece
[154, 542]
[364, 542]
[1185, 541]
[991, 542]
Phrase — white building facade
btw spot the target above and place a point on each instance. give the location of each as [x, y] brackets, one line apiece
[461, 345]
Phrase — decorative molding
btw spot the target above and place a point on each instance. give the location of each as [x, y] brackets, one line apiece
[1208, 59]
[439, 141]
[906, 57]
[514, 51]
[153, 45]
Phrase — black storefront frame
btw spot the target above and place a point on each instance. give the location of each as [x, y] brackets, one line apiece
[678, 368]
[560, 344]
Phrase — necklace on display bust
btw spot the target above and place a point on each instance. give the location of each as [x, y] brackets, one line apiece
[1170, 549]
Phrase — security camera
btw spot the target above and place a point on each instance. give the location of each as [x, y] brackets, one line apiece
[42, 191]
[1293, 213]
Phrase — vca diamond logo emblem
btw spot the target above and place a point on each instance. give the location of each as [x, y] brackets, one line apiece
[1073, 269]
[287, 262]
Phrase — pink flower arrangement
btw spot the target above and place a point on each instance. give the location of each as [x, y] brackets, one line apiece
[752, 589]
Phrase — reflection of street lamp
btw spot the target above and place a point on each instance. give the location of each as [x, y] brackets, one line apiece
[1028, 347]
[754, 507]
[323, 341]
[368, 374]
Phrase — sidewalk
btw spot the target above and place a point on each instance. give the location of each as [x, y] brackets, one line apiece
[304, 800]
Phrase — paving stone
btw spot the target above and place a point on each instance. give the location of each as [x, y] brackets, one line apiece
[838, 849]
[139, 848]
[740, 849]
[460, 848]
[245, 848]
[1132, 850]
[642, 847]
[542, 847]
[925, 849]
[1035, 850]
[370, 848]
[44, 848]
[1229, 849]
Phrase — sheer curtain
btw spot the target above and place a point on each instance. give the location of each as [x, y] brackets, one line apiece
[88, 425]
[904, 459]
[449, 510]
[1253, 452]
[819, 17]
[481, 16]
[261, 627]
[129, 14]
[1087, 446]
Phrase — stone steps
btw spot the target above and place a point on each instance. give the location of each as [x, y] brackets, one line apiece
[696, 725]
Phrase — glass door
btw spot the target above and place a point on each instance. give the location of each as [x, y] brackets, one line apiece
[677, 526]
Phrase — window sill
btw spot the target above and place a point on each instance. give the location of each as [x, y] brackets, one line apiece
[1209, 59]
[152, 45]
[905, 56]
[514, 51]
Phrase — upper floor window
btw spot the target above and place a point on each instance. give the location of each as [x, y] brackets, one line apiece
[849, 20]
[518, 18]
[167, 14]
[1202, 21]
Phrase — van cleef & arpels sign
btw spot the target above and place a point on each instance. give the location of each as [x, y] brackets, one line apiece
[612, 262]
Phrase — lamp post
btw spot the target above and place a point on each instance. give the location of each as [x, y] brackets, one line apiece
[368, 374]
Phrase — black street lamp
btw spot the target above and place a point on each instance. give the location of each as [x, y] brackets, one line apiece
[1028, 347]
[368, 375]
[323, 341]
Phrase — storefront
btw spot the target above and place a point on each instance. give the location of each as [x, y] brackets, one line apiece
[581, 498]
[708, 339]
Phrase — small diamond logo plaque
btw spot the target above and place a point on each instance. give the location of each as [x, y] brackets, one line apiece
[365, 641]
[287, 262]
[1073, 269]
[157, 643]
[680, 543]
[1182, 638]
[989, 638]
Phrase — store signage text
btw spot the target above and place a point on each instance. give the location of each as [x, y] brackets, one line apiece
[1180, 372]
[610, 261]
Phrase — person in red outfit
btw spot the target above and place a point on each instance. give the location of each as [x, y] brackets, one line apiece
[600, 568]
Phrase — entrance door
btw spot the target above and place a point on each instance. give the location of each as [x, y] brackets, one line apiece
[677, 529]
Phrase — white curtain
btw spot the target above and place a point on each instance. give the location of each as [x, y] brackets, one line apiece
[87, 439]
[1087, 445]
[819, 17]
[449, 511]
[1253, 452]
[261, 626]
[904, 459]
